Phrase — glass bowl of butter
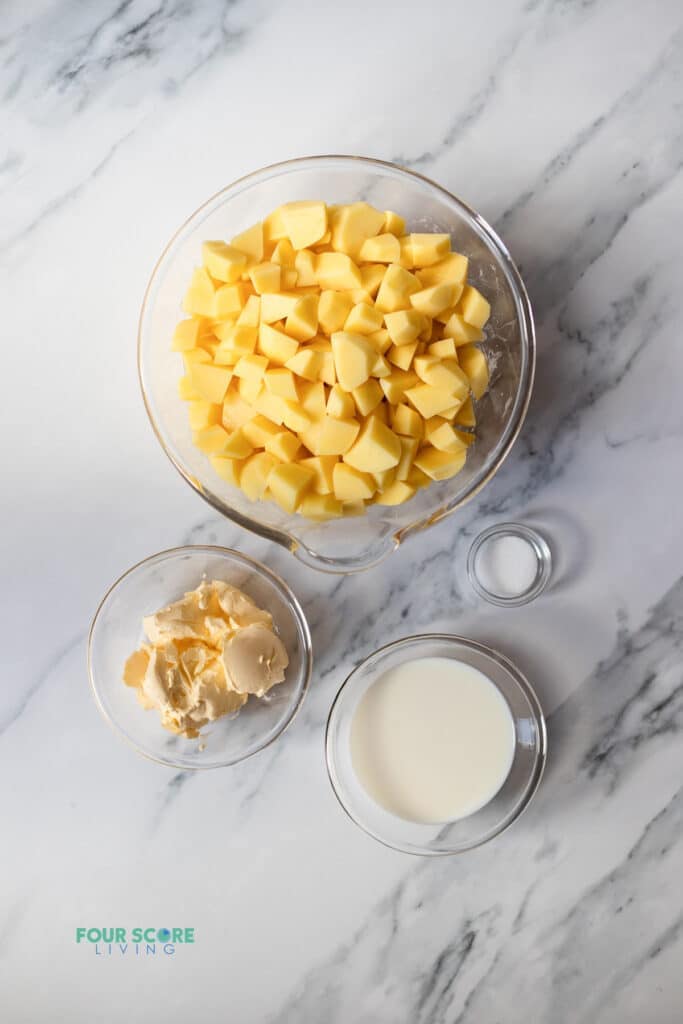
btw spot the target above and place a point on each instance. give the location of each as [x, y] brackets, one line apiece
[343, 544]
[199, 657]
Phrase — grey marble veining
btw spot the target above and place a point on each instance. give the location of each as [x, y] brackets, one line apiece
[561, 123]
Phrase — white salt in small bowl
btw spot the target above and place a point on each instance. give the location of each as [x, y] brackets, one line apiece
[509, 564]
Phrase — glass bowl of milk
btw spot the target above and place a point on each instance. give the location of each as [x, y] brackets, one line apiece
[435, 744]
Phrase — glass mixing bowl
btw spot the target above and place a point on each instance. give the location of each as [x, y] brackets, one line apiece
[117, 631]
[344, 545]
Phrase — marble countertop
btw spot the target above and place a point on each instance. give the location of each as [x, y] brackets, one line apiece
[561, 122]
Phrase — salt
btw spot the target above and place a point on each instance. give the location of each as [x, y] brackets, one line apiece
[507, 565]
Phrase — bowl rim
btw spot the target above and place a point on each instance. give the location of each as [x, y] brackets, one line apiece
[251, 563]
[535, 777]
[512, 429]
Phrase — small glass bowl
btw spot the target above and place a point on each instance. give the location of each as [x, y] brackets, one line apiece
[116, 632]
[489, 821]
[540, 549]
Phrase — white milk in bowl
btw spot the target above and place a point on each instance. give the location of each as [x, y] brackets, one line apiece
[432, 740]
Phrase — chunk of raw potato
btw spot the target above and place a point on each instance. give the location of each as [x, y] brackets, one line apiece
[376, 449]
[460, 331]
[330, 436]
[407, 421]
[323, 472]
[255, 472]
[306, 363]
[473, 307]
[444, 436]
[473, 362]
[281, 381]
[276, 307]
[302, 322]
[265, 277]
[352, 225]
[404, 325]
[199, 297]
[398, 284]
[354, 356]
[451, 269]
[211, 382]
[396, 493]
[321, 506]
[367, 397]
[351, 484]
[333, 310]
[288, 482]
[381, 249]
[440, 465]
[185, 335]
[277, 346]
[305, 222]
[429, 400]
[228, 469]
[284, 446]
[304, 264]
[228, 300]
[435, 299]
[340, 403]
[250, 242]
[336, 271]
[224, 262]
[363, 319]
[394, 224]
[429, 248]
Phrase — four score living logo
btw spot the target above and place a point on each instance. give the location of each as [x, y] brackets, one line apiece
[136, 942]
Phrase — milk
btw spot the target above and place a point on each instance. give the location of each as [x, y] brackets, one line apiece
[432, 740]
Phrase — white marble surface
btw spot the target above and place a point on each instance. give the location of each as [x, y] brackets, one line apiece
[561, 122]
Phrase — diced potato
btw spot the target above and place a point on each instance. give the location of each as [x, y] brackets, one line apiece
[396, 384]
[323, 469]
[274, 228]
[396, 493]
[406, 258]
[327, 373]
[313, 399]
[406, 421]
[473, 307]
[381, 249]
[465, 415]
[336, 271]
[186, 335]
[435, 299]
[224, 262]
[333, 310]
[444, 349]
[429, 400]
[451, 269]
[340, 404]
[351, 484]
[250, 315]
[305, 222]
[304, 264]
[236, 412]
[461, 332]
[265, 277]
[444, 373]
[199, 297]
[363, 319]
[187, 391]
[238, 342]
[271, 406]
[352, 225]
[204, 414]
[417, 478]
[238, 445]
[249, 389]
[320, 506]
[255, 473]
[210, 381]
[302, 322]
[289, 278]
[260, 430]
[367, 397]
[335, 436]
[228, 469]
[306, 363]
[473, 362]
[353, 508]
[376, 448]
[396, 288]
[429, 248]
[354, 356]
[371, 278]
[250, 242]
[295, 417]
[277, 346]
[211, 440]
[195, 355]
[394, 224]
[381, 340]
[404, 325]
[444, 436]
[284, 253]
[402, 355]
[288, 482]
[276, 306]
[380, 367]
[229, 299]
[409, 447]
[252, 367]
[280, 381]
[440, 465]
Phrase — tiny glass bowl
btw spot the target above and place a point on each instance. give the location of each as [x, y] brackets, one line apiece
[117, 631]
[490, 820]
[537, 545]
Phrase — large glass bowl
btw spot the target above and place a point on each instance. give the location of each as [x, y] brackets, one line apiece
[344, 545]
[117, 631]
[490, 820]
